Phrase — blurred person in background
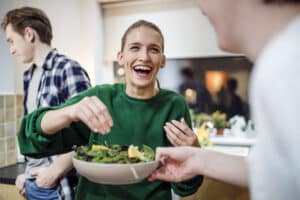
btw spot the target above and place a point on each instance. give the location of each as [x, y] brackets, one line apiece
[267, 32]
[50, 79]
[195, 93]
[229, 101]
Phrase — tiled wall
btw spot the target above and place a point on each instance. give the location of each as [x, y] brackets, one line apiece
[11, 112]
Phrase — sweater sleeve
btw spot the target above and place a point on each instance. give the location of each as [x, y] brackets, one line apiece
[34, 143]
[190, 186]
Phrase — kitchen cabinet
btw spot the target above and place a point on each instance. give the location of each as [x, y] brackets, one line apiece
[212, 189]
[9, 192]
[8, 174]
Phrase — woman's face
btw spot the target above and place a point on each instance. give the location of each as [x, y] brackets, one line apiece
[223, 15]
[142, 57]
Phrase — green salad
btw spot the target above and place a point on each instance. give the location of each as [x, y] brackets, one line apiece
[114, 154]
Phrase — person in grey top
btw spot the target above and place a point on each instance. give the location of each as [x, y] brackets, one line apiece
[267, 32]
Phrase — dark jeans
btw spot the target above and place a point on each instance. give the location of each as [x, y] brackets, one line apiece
[34, 192]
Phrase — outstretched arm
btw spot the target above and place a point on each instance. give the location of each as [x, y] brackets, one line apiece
[182, 163]
[89, 110]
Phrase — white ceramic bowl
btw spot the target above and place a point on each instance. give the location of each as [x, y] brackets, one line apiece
[114, 174]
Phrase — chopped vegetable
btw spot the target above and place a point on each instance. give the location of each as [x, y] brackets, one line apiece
[114, 154]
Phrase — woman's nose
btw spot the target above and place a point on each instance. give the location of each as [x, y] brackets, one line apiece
[143, 55]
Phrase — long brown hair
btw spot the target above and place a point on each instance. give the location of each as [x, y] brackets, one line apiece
[34, 18]
[138, 24]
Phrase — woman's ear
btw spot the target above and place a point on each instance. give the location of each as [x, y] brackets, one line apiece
[29, 34]
[163, 62]
[120, 58]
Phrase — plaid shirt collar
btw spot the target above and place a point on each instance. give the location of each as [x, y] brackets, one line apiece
[50, 70]
[47, 65]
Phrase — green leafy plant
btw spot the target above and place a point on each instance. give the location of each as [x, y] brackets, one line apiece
[217, 118]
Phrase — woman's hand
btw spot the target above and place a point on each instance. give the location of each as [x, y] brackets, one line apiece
[178, 164]
[179, 133]
[93, 113]
[20, 183]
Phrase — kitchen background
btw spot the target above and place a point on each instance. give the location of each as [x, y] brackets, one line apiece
[89, 31]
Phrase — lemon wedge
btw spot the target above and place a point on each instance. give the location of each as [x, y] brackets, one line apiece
[133, 152]
[99, 147]
[201, 134]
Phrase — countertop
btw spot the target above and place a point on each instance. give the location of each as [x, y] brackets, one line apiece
[233, 141]
[9, 174]
[232, 145]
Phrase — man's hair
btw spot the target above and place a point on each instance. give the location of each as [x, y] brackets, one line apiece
[232, 84]
[138, 24]
[34, 18]
[281, 1]
[187, 72]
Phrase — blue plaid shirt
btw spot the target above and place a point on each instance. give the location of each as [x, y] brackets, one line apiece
[62, 79]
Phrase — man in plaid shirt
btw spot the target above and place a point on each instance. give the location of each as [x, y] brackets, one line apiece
[51, 79]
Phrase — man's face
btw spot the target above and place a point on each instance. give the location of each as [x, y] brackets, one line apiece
[142, 57]
[20, 46]
[223, 15]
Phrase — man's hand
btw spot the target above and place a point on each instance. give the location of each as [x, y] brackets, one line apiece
[20, 183]
[46, 177]
[178, 164]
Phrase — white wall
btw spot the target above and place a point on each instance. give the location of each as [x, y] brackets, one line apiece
[77, 33]
[7, 63]
[187, 32]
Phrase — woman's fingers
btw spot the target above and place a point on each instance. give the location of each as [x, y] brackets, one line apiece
[179, 137]
[180, 134]
[176, 131]
[94, 114]
[95, 111]
[172, 137]
[182, 125]
[103, 110]
[84, 114]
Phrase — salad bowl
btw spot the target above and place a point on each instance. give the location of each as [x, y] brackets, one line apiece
[114, 165]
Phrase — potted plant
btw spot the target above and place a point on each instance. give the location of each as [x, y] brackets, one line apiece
[219, 121]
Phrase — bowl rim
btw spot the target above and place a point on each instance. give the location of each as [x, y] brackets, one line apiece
[117, 164]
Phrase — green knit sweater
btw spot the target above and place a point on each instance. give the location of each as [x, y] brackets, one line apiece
[136, 121]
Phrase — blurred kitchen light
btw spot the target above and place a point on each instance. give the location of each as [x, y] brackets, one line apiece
[214, 80]
[190, 95]
[121, 71]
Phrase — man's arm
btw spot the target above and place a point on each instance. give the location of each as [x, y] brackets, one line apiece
[76, 80]
[182, 163]
[227, 168]
[49, 177]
